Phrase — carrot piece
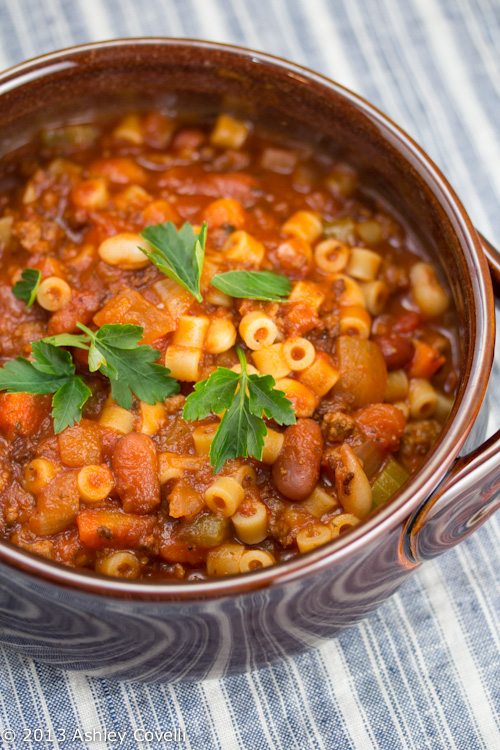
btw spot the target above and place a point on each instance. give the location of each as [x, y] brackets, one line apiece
[225, 211]
[119, 170]
[384, 424]
[21, 414]
[80, 444]
[113, 528]
[158, 212]
[426, 361]
[131, 307]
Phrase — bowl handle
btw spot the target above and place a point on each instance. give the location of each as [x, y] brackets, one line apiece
[468, 495]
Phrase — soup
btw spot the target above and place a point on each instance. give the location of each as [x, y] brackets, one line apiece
[229, 352]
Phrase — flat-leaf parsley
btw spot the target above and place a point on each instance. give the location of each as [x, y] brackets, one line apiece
[245, 399]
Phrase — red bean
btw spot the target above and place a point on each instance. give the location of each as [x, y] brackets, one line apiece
[135, 466]
[296, 470]
[407, 321]
[396, 350]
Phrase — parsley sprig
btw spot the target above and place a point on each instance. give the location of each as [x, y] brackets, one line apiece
[27, 287]
[179, 254]
[114, 351]
[245, 399]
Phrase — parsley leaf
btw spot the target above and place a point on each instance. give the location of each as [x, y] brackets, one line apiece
[246, 398]
[21, 376]
[240, 433]
[52, 371]
[264, 397]
[179, 254]
[215, 394]
[27, 287]
[51, 359]
[67, 403]
[115, 351]
[263, 285]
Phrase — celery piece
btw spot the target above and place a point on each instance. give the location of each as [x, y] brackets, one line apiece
[207, 530]
[70, 136]
[343, 230]
[390, 479]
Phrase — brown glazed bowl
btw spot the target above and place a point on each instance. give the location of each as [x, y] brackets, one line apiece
[177, 631]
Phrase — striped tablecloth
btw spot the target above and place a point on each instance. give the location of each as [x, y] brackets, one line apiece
[424, 670]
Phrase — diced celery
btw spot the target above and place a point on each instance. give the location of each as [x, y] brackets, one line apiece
[343, 230]
[390, 479]
[207, 530]
[73, 136]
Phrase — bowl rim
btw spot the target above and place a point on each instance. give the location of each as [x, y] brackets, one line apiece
[479, 361]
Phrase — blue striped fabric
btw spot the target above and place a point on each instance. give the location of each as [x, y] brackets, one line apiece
[424, 670]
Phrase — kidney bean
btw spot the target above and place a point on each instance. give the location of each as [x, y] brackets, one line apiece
[296, 470]
[406, 321]
[135, 466]
[396, 350]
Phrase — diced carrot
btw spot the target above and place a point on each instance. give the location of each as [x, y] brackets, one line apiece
[384, 424]
[80, 444]
[90, 194]
[21, 414]
[185, 500]
[225, 211]
[131, 307]
[113, 528]
[158, 212]
[426, 361]
[119, 170]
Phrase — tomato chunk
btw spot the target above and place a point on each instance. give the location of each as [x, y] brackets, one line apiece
[131, 307]
[185, 500]
[135, 466]
[21, 414]
[384, 424]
